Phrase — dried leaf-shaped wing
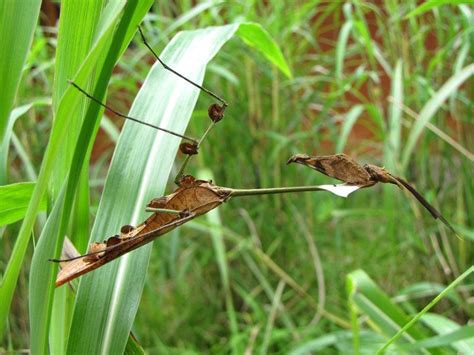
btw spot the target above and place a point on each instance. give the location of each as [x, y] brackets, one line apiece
[194, 198]
[338, 166]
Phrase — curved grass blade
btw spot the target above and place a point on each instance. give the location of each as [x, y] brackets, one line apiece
[341, 48]
[254, 35]
[431, 107]
[431, 4]
[444, 326]
[349, 122]
[5, 145]
[447, 340]
[393, 138]
[16, 31]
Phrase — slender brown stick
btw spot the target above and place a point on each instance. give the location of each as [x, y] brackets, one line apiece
[128, 117]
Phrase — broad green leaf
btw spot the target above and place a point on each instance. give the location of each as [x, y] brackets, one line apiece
[72, 49]
[255, 36]
[430, 108]
[15, 199]
[17, 25]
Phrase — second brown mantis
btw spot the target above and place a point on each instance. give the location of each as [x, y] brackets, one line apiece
[344, 168]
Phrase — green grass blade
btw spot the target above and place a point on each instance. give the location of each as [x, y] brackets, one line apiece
[60, 321]
[108, 298]
[133, 347]
[73, 47]
[365, 38]
[16, 31]
[349, 122]
[443, 326]
[8, 138]
[431, 4]
[15, 199]
[392, 143]
[408, 326]
[73, 105]
[254, 35]
[341, 48]
[217, 236]
[430, 108]
[4, 147]
[192, 13]
[40, 286]
[340, 340]
[449, 339]
[30, 171]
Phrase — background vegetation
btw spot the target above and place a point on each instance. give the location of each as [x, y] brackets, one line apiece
[277, 274]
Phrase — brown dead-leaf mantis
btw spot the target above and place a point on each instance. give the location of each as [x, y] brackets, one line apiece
[346, 169]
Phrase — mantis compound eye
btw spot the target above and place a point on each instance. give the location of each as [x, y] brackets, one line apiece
[188, 148]
[216, 112]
